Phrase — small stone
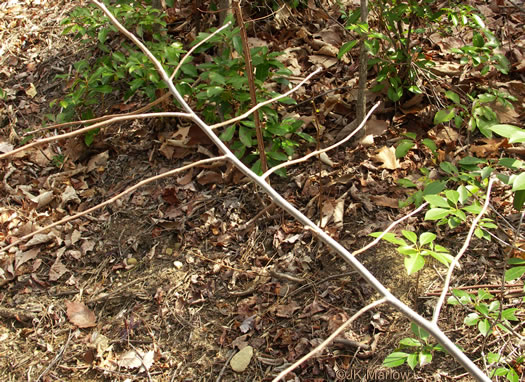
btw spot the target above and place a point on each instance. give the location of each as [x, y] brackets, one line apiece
[241, 360]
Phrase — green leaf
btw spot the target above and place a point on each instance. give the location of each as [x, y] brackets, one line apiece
[436, 214]
[426, 238]
[214, 91]
[103, 34]
[430, 144]
[404, 146]
[227, 135]
[477, 19]
[511, 163]
[411, 236]
[288, 101]
[436, 201]
[512, 376]
[256, 168]
[513, 133]
[514, 273]
[477, 40]
[414, 263]
[407, 183]
[245, 136]
[119, 56]
[519, 182]
[519, 200]
[418, 331]
[509, 314]
[434, 188]
[449, 168]
[216, 78]
[412, 360]
[189, 70]
[90, 136]
[471, 319]
[443, 258]
[347, 46]
[444, 115]
[493, 357]
[452, 195]
[390, 237]
[415, 89]
[395, 93]
[410, 342]
[395, 359]
[425, 357]
[484, 327]
[454, 97]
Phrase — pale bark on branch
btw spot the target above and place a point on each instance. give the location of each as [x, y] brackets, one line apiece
[431, 327]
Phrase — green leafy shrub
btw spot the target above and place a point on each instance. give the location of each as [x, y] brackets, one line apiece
[422, 350]
[219, 87]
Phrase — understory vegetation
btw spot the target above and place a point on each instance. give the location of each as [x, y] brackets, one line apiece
[448, 137]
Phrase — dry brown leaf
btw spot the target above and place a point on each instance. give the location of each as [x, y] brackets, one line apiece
[57, 270]
[207, 177]
[384, 201]
[40, 238]
[387, 156]
[80, 315]
[23, 257]
[98, 161]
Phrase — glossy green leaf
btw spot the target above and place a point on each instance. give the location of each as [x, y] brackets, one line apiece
[395, 359]
[414, 263]
[437, 213]
[443, 116]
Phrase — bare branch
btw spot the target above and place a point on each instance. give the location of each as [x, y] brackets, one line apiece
[181, 62]
[113, 199]
[95, 126]
[325, 343]
[323, 236]
[368, 246]
[317, 152]
[455, 262]
[257, 107]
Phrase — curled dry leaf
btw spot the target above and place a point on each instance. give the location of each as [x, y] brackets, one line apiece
[79, 315]
[387, 156]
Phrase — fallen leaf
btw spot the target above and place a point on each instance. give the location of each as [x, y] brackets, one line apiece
[384, 201]
[23, 257]
[98, 161]
[40, 238]
[80, 315]
[241, 360]
[31, 91]
[133, 359]
[57, 270]
[387, 156]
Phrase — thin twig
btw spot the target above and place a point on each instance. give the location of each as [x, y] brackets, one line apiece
[325, 343]
[113, 199]
[57, 357]
[92, 127]
[251, 84]
[277, 98]
[368, 246]
[317, 152]
[446, 285]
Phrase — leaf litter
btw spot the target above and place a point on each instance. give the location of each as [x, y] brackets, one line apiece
[165, 281]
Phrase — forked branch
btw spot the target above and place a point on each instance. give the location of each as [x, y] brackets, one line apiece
[279, 200]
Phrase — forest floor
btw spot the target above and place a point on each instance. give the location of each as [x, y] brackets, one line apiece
[170, 281]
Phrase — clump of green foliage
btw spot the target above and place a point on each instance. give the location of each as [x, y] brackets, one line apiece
[219, 87]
